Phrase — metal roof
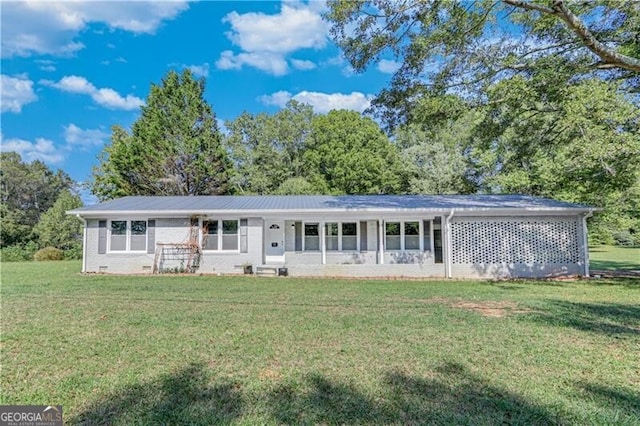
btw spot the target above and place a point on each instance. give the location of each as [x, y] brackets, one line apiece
[309, 203]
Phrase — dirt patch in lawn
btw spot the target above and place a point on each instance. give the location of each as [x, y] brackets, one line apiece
[487, 308]
[492, 309]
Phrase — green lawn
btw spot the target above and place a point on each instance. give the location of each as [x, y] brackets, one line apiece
[204, 350]
[614, 258]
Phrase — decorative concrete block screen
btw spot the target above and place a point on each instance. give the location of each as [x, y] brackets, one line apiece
[544, 240]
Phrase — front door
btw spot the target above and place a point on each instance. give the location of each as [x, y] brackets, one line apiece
[274, 242]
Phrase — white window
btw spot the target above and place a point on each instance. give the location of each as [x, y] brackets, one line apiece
[311, 237]
[128, 235]
[332, 237]
[341, 236]
[393, 237]
[220, 235]
[405, 235]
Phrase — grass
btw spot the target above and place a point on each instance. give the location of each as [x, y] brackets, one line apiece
[614, 258]
[245, 350]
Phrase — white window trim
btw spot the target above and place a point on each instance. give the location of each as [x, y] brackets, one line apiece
[357, 222]
[127, 235]
[402, 235]
[219, 235]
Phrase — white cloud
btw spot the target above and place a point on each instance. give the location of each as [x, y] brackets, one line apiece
[278, 98]
[199, 70]
[48, 27]
[46, 64]
[15, 92]
[266, 61]
[303, 64]
[41, 149]
[266, 40]
[321, 102]
[84, 138]
[105, 97]
[388, 67]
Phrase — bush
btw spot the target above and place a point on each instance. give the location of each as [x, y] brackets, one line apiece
[18, 252]
[74, 252]
[48, 253]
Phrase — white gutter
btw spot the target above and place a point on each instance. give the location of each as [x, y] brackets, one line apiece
[84, 243]
[449, 257]
[585, 242]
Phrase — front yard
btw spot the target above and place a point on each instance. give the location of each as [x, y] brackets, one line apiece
[203, 350]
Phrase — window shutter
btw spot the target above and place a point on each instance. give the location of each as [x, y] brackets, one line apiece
[298, 238]
[102, 236]
[151, 236]
[363, 236]
[244, 243]
[426, 228]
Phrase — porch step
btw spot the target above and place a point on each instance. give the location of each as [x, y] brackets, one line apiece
[267, 271]
[272, 270]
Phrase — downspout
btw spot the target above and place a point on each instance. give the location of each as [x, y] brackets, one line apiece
[84, 243]
[449, 257]
[585, 241]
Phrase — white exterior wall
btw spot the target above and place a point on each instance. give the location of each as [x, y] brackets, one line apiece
[523, 247]
[169, 231]
[226, 263]
[481, 247]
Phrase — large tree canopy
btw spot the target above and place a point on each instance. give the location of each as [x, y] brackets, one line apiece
[174, 148]
[468, 46]
[349, 154]
[28, 190]
[267, 150]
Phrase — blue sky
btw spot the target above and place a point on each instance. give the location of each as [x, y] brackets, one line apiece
[71, 70]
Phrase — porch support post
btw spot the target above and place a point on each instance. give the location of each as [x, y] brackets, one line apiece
[323, 249]
[585, 243]
[448, 255]
[380, 242]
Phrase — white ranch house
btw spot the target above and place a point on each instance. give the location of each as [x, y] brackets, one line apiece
[493, 236]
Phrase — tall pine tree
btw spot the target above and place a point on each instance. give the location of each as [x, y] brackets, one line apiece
[174, 148]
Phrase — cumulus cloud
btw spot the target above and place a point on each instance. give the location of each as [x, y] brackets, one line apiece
[199, 70]
[303, 65]
[266, 40]
[266, 61]
[40, 149]
[74, 136]
[388, 67]
[15, 92]
[47, 27]
[321, 102]
[105, 97]
[196, 70]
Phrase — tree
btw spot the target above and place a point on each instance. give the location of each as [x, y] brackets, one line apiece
[174, 148]
[27, 191]
[349, 154]
[447, 45]
[297, 186]
[268, 150]
[58, 229]
[579, 145]
[434, 164]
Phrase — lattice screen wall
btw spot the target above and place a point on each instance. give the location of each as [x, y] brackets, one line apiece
[515, 240]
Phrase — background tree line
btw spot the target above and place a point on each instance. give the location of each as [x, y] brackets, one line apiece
[549, 109]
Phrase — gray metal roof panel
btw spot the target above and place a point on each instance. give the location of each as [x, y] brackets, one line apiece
[325, 202]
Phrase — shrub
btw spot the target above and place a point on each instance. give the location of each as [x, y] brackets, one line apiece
[74, 252]
[18, 252]
[48, 253]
